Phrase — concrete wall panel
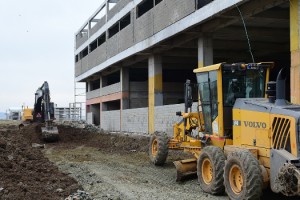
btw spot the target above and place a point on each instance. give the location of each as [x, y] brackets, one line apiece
[170, 11]
[117, 8]
[112, 46]
[180, 9]
[78, 70]
[81, 40]
[135, 120]
[143, 26]
[97, 56]
[85, 64]
[111, 89]
[110, 120]
[99, 24]
[93, 94]
[125, 38]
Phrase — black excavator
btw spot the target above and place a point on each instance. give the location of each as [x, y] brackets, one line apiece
[43, 112]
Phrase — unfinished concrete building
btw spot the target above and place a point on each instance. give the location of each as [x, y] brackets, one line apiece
[136, 55]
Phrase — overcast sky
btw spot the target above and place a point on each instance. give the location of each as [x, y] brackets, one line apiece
[37, 45]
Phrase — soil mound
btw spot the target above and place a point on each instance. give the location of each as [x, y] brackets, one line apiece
[25, 172]
[112, 142]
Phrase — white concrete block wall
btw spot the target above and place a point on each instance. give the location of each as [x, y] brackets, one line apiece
[89, 118]
[135, 120]
[165, 117]
[138, 96]
[110, 120]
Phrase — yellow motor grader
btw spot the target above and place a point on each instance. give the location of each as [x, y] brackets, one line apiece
[244, 136]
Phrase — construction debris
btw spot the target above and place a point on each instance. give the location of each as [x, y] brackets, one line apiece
[79, 195]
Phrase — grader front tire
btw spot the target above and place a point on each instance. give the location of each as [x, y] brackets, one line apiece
[210, 170]
[242, 176]
[158, 148]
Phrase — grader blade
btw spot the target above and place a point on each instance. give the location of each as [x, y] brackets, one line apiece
[50, 134]
[185, 169]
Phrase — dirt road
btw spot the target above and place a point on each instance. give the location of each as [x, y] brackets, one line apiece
[115, 166]
[107, 165]
[123, 175]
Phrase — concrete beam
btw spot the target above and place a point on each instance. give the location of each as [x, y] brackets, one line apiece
[248, 9]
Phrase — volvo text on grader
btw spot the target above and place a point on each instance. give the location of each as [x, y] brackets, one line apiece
[241, 141]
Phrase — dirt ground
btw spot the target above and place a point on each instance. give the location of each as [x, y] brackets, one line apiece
[24, 171]
[106, 165]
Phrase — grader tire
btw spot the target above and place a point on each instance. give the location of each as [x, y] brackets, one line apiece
[158, 148]
[242, 176]
[210, 170]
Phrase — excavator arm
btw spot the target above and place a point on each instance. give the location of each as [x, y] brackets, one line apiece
[44, 112]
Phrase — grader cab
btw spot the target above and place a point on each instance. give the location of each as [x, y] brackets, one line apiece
[241, 141]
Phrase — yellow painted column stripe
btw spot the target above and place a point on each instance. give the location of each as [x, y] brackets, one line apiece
[155, 86]
[294, 25]
[200, 64]
[295, 52]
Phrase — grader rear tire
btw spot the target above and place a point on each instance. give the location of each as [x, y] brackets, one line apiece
[158, 148]
[210, 170]
[242, 176]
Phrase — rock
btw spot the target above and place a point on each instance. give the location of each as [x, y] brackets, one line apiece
[1, 188]
[3, 144]
[35, 145]
[59, 190]
[10, 157]
[79, 195]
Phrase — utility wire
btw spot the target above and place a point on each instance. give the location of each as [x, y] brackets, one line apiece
[248, 39]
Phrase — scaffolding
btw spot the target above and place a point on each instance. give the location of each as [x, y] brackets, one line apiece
[78, 108]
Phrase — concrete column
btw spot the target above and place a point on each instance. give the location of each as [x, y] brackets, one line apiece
[205, 51]
[101, 104]
[88, 86]
[124, 77]
[295, 50]
[155, 82]
[107, 9]
[89, 29]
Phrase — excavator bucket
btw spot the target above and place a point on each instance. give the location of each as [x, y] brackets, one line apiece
[50, 133]
[185, 169]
